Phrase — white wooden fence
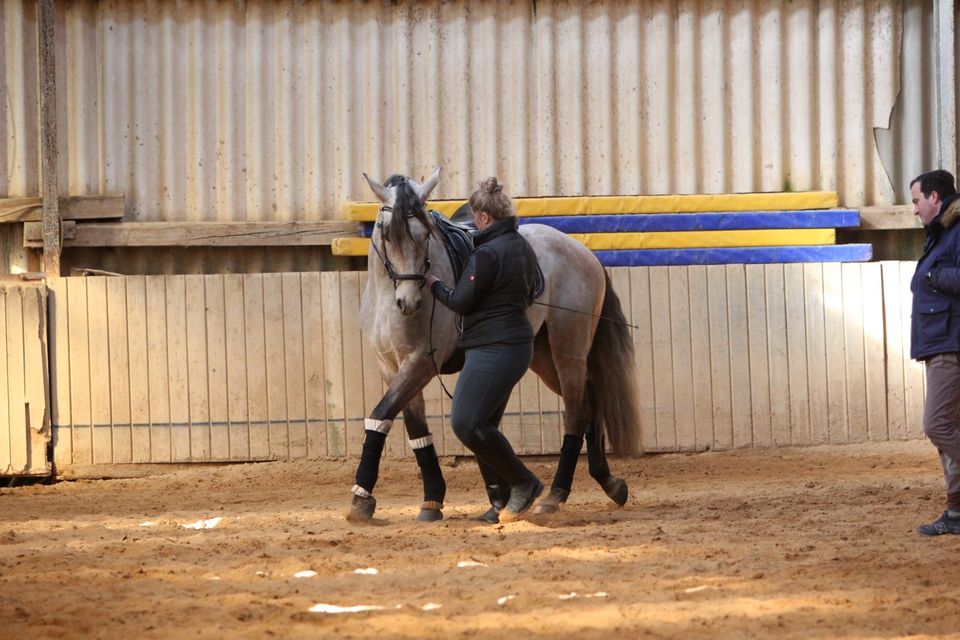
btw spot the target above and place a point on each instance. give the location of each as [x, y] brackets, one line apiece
[24, 421]
[772, 355]
[273, 366]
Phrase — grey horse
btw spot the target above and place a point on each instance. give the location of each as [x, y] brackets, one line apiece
[582, 351]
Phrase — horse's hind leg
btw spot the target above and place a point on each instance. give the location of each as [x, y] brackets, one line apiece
[566, 467]
[421, 441]
[614, 487]
[578, 425]
[570, 388]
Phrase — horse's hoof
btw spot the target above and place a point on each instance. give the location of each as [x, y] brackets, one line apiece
[362, 509]
[429, 515]
[546, 506]
[616, 490]
[551, 504]
[430, 511]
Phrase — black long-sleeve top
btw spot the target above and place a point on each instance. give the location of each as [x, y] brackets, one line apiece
[495, 288]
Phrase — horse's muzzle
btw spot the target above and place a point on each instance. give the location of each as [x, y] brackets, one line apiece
[409, 307]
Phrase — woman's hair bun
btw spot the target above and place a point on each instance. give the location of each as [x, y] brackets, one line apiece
[491, 186]
[491, 199]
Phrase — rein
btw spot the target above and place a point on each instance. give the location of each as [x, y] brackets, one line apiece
[586, 313]
[433, 351]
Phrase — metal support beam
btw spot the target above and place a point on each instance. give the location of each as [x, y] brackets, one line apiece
[50, 188]
[943, 23]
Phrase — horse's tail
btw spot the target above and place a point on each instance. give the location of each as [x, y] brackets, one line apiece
[612, 378]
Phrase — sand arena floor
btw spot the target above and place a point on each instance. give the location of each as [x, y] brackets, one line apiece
[806, 543]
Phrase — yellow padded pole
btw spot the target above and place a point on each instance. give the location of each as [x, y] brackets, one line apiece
[593, 205]
[660, 240]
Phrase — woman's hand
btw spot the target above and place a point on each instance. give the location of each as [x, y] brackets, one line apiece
[430, 280]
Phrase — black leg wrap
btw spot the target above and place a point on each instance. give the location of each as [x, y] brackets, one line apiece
[615, 488]
[434, 486]
[596, 457]
[569, 454]
[369, 467]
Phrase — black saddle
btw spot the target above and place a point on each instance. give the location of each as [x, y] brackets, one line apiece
[457, 240]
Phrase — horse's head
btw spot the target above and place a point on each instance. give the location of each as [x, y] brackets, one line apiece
[400, 244]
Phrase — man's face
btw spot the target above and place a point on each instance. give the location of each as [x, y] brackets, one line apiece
[925, 208]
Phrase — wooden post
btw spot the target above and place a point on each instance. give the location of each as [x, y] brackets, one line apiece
[48, 140]
[946, 108]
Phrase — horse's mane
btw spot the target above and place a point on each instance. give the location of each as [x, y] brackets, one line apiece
[406, 205]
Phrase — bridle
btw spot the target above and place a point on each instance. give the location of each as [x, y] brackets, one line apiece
[382, 254]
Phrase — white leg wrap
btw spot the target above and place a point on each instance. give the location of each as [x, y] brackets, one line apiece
[383, 426]
[360, 491]
[420, 443]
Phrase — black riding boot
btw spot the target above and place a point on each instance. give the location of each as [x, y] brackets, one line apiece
[493, 449]
[498, 492]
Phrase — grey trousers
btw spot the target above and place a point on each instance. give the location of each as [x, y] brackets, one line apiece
[941, 418]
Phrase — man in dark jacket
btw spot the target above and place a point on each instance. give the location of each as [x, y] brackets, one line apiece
[935, 330]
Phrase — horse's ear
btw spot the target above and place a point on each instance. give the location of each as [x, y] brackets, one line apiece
[384, 194]
[424, 189]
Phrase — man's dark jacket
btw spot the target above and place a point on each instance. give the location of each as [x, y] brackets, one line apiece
[495, 288]
[935, 323]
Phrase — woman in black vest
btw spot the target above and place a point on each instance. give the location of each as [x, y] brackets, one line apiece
[492, 296]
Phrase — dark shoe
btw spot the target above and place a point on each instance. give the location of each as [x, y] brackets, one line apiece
[943, 524]
[490, 516]
[498, 494]
[522, 497]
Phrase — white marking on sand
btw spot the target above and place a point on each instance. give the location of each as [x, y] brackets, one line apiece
[203, 524]
[505, 599]
[306, 573]
[470, 563]
[702, 587]
[369, 571]
[332, 608]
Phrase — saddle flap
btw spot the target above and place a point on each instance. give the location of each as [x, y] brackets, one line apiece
[457, 240]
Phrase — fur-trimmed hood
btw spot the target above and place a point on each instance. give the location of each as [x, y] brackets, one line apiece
[951, 214]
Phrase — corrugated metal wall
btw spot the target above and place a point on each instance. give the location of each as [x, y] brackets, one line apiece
[271, 110]
[253, 367]
[24, 419]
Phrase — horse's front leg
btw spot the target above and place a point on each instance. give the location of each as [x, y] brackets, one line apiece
[413, 375]
[421, 441]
